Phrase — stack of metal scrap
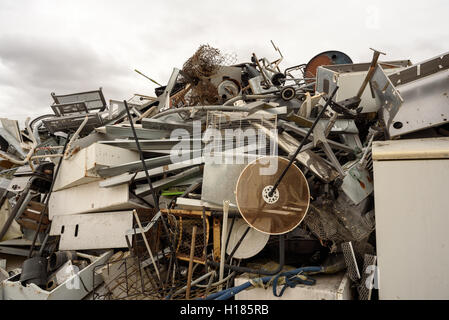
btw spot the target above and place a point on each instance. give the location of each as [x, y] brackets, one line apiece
[137, 199]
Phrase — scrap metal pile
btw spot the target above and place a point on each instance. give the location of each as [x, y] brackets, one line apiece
[229, 171]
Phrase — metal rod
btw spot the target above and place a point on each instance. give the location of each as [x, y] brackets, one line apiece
[156, 202]
[154, 81]
[223, 239]
[205, 240]
[147, 245]
[238, 244]
[302, 142]
[190, 271]
[370, 73]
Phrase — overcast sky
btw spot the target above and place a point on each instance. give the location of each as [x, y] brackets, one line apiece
[70, 46]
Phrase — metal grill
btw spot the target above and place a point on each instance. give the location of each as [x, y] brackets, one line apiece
[185, 238]
[351, 261]
[365, 288]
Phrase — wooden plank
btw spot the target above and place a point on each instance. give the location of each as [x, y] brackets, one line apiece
[35, 216]
[32, 225]
[37, 206]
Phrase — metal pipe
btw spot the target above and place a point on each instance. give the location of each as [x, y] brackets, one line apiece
[200, 108]
[223, 238]
[249, 96]
[238, 244]
[370, 73]
[75, 136]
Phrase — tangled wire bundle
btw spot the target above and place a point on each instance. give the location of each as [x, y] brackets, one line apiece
[204, 63]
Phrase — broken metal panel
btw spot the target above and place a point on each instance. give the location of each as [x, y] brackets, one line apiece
[83, 165]
[357, 183]
[82, 232]
[152, 145]
[125, 178]
[194, 204]
[415, 98]
[12, 127]
[167, 182]
[161, 125]
[94, 199]
[12, 142]
[349, 77]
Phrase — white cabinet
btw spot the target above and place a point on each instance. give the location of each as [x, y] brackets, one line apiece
[411, 179]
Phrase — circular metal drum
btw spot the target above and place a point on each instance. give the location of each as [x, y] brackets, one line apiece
[326, 58]
[285, 209]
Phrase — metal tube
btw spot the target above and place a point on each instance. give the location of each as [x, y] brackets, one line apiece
[223, 239]
[75, 135]
[200, 108]
[238, 244]
[370, 73]
[146, 244]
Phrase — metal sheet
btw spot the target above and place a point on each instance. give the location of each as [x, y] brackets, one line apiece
[90, 197]
[357, 183]
[349, 78]
[170, 181]
[415, 98]
[411, 203]
[251, 245]
[125, 178]
[219, 181]
[126, 132]
[82, 232]
[82, 167]
[158, 124]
